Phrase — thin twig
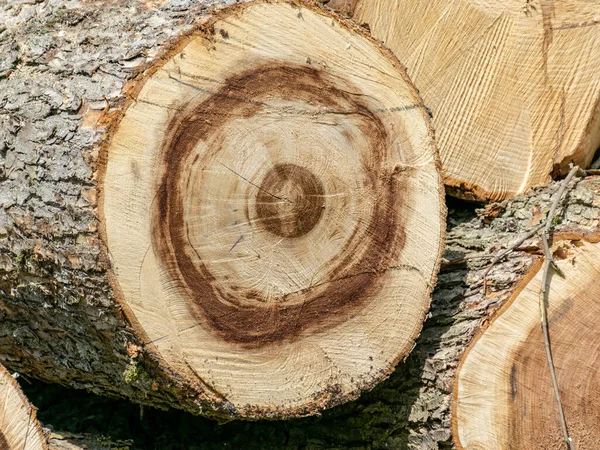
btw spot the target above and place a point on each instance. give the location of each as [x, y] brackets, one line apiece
[544, 318]
[546, 229]
[506, 251]
[575, 170]
[544, 294]
[558, 197]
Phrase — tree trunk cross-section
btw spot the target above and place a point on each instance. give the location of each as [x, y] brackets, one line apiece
[270, 204]
[504, 378]
[59, 319]
[513, 86]
[19, 429]
[257, 189]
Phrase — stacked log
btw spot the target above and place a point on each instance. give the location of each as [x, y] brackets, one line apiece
[504, 379]
[512, 86]
[259, 232]
[19, 428]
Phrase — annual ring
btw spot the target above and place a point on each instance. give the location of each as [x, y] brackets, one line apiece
[288, 202]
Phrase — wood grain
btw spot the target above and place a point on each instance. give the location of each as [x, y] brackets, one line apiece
[19, 429]
[513, 86]
[504, 397]
[273, 210]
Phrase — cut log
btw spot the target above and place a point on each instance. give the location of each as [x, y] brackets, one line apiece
[266, 206]
[270, 208]
[19, 429]
[504, 396]
[513, 86]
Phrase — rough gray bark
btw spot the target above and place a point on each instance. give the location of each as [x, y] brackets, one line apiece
[61, 61]
[58, 321]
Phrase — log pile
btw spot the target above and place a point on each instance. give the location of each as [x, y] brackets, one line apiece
[239, 212]
[413, 408]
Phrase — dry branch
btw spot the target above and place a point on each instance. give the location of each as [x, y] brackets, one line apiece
[543, 302]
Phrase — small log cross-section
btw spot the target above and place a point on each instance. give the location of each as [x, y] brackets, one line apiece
[273, 210]
[504, 397]
[513, 86]
[19, 429]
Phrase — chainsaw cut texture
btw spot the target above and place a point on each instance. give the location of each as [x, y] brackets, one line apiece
[19, 429]
[503, 395]
[514, 87]
[273, 210]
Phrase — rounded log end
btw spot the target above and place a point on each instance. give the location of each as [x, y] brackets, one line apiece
[503, 395]
[19, 428]
[273, 210]
[513, 87]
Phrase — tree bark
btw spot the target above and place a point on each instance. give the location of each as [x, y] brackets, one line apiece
[63, 64]
[123, 266]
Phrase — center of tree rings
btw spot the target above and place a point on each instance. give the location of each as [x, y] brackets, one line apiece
[241, 283]
[289, 202]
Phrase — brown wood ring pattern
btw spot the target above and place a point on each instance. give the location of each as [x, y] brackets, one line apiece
[347, 283]
[174, 142]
